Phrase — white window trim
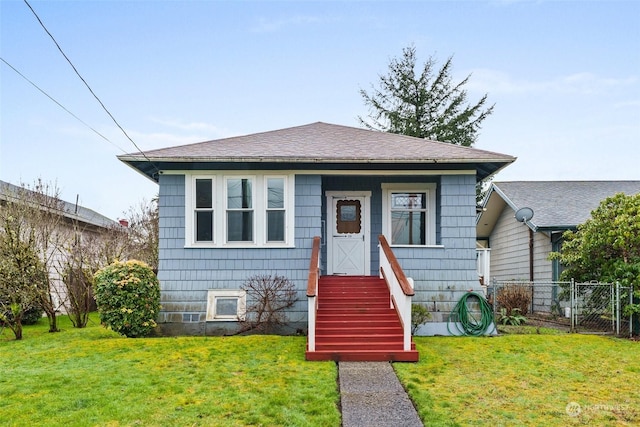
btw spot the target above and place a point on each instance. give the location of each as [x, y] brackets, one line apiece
[430, 190]
[213, 294]
[259, 185]
[190, 214]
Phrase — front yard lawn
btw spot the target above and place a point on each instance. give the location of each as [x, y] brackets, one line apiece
[525, 380]
[86, 377]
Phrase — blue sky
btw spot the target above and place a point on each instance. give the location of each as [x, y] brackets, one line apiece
[564, 77]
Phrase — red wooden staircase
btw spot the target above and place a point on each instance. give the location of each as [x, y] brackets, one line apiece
[355, 322]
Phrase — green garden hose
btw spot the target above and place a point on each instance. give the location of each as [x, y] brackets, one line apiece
[467, 323]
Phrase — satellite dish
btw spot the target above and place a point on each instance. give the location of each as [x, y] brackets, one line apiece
[524, 215]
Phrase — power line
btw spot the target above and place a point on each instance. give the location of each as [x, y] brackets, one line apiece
[62, 106]
[89, 87]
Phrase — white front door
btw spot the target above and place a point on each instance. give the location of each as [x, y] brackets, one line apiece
[348, 239]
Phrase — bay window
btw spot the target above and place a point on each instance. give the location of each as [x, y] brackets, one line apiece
[239, 210]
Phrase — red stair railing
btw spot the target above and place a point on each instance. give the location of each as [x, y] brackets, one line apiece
[400, 287]
[312, 293]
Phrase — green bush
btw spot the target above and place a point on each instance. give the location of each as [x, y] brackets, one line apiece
[419, 316]
[128, 297]
[32, 315]
[513, 318]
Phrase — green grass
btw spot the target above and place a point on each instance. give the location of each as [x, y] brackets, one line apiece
[84, 377]
[92, 377]
[525, 380]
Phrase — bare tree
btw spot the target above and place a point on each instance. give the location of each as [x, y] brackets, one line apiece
[269, 297]
[21, 272]
[32, 239]
[144, 232]
[77, 276]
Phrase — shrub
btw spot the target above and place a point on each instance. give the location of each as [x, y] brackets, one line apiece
[128, 297]
[32, 315]
[514, 318]
[419, 316]
[270, 296]
[80, 299]
[514, 297]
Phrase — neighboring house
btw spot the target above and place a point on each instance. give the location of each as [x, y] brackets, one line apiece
[519, 251]
[237, 207]
[88, 222]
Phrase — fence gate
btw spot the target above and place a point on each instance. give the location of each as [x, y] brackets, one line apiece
[583, 307]
[597, 307]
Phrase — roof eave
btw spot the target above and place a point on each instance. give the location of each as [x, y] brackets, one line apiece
[278, 159]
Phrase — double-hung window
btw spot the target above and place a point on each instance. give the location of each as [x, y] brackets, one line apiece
[203, 215]
[239, 206]
[224, 209]
[275, 209]
[409, 214]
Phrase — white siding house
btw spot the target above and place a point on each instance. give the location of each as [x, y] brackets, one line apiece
[519, 251]
[73, 219]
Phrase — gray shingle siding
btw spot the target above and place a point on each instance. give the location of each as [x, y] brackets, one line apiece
[441, 273]
[186, 274]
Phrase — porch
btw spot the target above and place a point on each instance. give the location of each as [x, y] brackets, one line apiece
[360, 318]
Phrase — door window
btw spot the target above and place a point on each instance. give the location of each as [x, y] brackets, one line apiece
[348, 216]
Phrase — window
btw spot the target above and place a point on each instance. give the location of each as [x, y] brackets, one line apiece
[204, 210]
[348, 219]
[276, 213]
[409, 214]
[226, 305]
[239, 210]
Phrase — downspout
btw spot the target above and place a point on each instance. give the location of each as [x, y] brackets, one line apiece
[530, 255]
[531, 266]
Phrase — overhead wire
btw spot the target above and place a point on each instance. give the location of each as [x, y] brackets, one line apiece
[61, 106]
[89, 87]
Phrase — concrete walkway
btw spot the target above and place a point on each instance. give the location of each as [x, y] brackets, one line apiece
[372, 396]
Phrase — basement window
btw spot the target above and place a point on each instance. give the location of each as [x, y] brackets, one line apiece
[190, 317]
[226, 305]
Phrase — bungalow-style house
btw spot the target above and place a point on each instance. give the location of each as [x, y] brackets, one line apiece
[74, 218]
[311, 203]
[515, 249]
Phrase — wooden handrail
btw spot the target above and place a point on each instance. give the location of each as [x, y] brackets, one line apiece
[395, 266]
[312, 284]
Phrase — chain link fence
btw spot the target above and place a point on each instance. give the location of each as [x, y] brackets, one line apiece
[578, 307]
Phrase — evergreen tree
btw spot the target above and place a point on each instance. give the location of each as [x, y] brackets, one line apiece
[424, 104]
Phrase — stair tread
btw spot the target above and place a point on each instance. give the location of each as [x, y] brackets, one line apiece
[355, 322]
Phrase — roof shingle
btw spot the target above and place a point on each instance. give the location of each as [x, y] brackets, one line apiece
[325, 142]
[562, 203]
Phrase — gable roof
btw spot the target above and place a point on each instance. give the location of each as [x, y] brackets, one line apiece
[70, 210]
[557, 205]
[333, 146]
